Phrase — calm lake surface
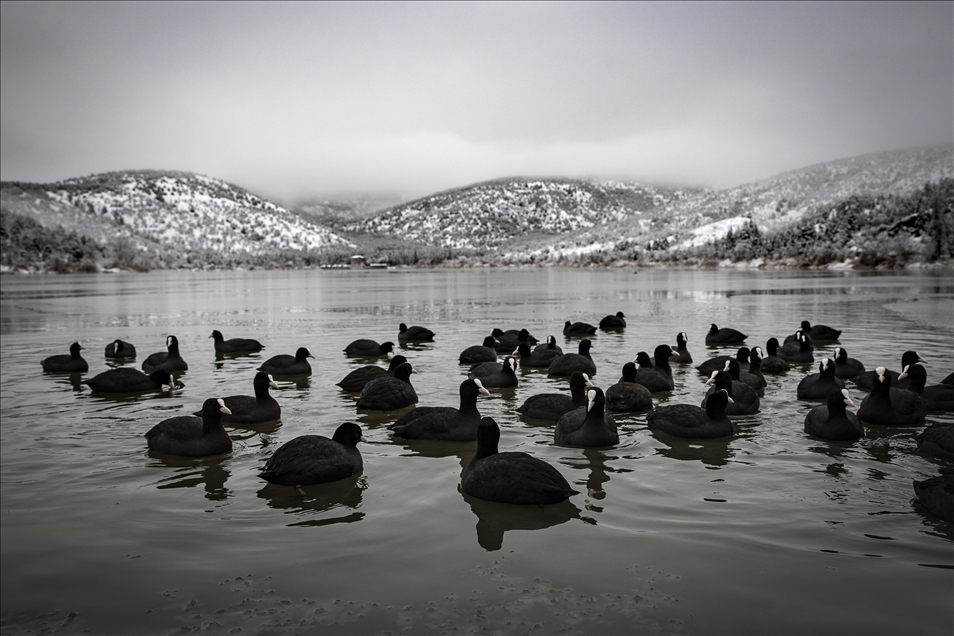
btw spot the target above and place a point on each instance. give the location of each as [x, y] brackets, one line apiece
[767, 531]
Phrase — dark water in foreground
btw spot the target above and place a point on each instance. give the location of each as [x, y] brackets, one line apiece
[767, 531]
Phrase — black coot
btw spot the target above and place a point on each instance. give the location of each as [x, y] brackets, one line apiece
[126, 380]
[444, 422]
[627, 395]
[364, 348]
[120, 350]
[480, 353]
[235, 345]
[509, 340]
[247, 409]
[414, 334]
[937, 440]
[355, 381]
[570, 362]
[725, 336]
[682, 353]
[578, 329]
[314, 459]
[610, 323]
[936, 494]
[820, 333]
[553, 406]
[168, 360]
[550, 346]
[688, 420]
[588, 425]
[888, 406]
[388, 393]
[191, 436]
[72, 363]
[937, 398]
[832, 420]
[866, 381]
[743, 399]
[659, 378]
[496, 375]
[845, 367]
[817, 386]
[772, 363]
[753, 377]
[798, 350]
[512, 478]
[718, 363]
[284, 365]
[539, 358]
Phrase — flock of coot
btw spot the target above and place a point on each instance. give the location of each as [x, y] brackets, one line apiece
[581, 417]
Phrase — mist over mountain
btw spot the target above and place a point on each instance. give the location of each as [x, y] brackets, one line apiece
[888, 209]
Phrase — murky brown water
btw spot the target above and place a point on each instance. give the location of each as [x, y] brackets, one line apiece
[768, 531]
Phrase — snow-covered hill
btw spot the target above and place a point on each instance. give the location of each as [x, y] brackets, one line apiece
[174, 211]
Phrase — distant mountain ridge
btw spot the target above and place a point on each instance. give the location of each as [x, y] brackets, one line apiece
[177, 219]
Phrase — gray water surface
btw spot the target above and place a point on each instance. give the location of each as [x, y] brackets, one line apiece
[767, 531]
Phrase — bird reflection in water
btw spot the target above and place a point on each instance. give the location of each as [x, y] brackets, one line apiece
[494, 519]
[711, 452]
[311, 501]
[594, 461]
[193, 472]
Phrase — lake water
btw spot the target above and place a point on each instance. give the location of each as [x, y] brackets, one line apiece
[767, 531]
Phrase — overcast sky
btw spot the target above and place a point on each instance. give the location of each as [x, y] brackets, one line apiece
[297, 100]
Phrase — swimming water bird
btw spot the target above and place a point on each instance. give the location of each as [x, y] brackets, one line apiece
[511, 477]
[552, 406]
[570, 362]
[832, 420]
[355, 381]
[550, 346]
[578, 329]
[718, 363]
[496, 375]
[888, 406]
[587, 426]
[234, 345]
[753, 376]
[284, 365]
[743, 398]
[444, 422]
[659, 378]
[509, 340]
[771, 363]
[414, 334]
[248, 409]
[937, 398]
[120, 350]
[798, 350]
[726, 336]
[627, 395]
[866, 381]
[388, 393]
[820, 333]
[127, 381]
[191, 436]
[476, 354]
[613, 322]
[365, 348]
[539, 358]
[690, 421]
[315, 459]
[72, 363]
[168, 360]
[845, 367]
[817, 386]
[936, 495]
[937, 440]
[682, 355]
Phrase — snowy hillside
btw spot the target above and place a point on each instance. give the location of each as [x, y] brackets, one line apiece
[177, 213]
[491, 214]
